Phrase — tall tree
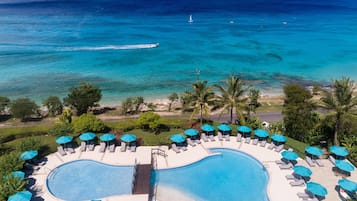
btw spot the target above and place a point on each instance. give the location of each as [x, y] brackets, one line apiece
[83, 97]
[199, 99]
[298, 112]
[253, 102]
[231, 97]
[54, 105]
[23, 108]
[172, 98]
[341, 100]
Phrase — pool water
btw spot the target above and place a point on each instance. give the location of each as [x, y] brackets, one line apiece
[231, 175]
[87, 179]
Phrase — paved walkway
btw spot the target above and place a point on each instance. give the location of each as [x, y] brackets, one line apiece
[279, 188]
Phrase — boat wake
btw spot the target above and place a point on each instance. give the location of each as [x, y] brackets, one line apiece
[115, 47]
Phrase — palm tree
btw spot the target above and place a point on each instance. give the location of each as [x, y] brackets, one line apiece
[341, 100]
[199, 99]
[232, 96]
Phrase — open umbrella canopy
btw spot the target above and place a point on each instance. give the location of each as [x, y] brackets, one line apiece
[224, 127]
[316, 189]
[21, 196]
[28, 155]
[128, 137]
[178, 138]
[107, 137]
[18, 174]
[244, 129]
[345, 166]
[313, 150]
[339, 151]
[302, 171]
[191, 132]
[64, 139]
[87, 136]
[348, 185]
[261, 133]
[207, 128]
[278, 138]
[290, 155]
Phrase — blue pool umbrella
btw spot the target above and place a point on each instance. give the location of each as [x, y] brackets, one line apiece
[348, 185]
[107, 137]
[316, 189]
[261, 133]
[191, 132]
[21, 196]
[244, 129]
[207, 128]
[278, 138]
[290, 155]
[224, 127]
[18, 174]
[128, 137]
[339, 151]
[87, 136]
[302, 171]
[64, 139]
[28, 155]
[178, 138]
[313, 150]
[345, 166]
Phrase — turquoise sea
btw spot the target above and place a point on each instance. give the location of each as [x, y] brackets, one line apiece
[49, 46]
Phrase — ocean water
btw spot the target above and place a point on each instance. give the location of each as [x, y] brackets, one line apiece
[47, 47]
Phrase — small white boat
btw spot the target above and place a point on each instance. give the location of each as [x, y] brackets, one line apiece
[190, 20]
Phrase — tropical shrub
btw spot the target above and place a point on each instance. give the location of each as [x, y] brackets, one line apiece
[23, 108]
[149, 121]
[9, 163]
[61, 129]
[29, 144]
[10, 185]
[54, 105]
[88, 122]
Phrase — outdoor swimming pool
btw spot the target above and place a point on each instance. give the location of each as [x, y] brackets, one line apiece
[87, 179]
[232, 175]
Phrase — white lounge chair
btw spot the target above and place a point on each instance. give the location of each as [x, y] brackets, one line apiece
[279, 162]
[255, 141]
[122, 147]
[279, 148]
[112, 147]
[61, 151]
[91, 146]
[174, 148]
[102, 147]
[197, 141]
[133, 148]
[299, 182]
[189, 141]
[184, 148]
[70, 149]
[220, 137]
[332, 159]
[239, 137]
[318, 162]
[290, 177]
[309, 161]
[83, 146]
[204, 137]
[263, 143]
[247, 140]
[285, 166]
[271, 146]
[227, 137]
[211, 137]
[303, 195]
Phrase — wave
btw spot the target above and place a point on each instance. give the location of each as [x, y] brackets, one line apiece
[114, 47]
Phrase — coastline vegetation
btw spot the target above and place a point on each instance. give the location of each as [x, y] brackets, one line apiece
[320, 117]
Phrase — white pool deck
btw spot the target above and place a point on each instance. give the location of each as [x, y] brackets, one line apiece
[279, 188]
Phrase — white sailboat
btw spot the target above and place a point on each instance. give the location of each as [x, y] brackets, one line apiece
[190, 20]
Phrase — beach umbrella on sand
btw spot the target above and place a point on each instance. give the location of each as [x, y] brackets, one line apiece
[191, 132]
[128, 137]
[316, 189]
[28, 155]
[348, 185]
[302, 171]
[178, 138]
[21, 196]
[261, 133]
[345, 166]
[244, 129]
[314, 151]
[339, 151]
[87, 136]
[107, 137]
[290, 155]
[64, 139]
[207, 128]
[278, 138]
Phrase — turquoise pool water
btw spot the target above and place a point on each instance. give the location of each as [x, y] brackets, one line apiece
[86, 179]
[232, 175]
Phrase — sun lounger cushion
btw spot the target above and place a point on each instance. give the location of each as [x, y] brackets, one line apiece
[220, 137]
[70, 150]
[174, 148]
[247, 140]
[83, 146]
[211, 137]
[112, 148]
[290, 177]
[197, 141]
[91, 147]
[286, 166]
[61, 151]
[332, 159]
[255, 141]
[299, 182]
[184, 148]
[271, 146]
[204, 137]
[133, 148]
[303, 195]
[239, 137]
[102, 147]
[318, 162]
[309, 161]
[279, 148]
[122, 146]
[189, 141]
[263, 143]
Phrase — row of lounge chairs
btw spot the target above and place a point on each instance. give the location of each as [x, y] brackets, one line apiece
[62, 151]
[177, 149]
[311, 162]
